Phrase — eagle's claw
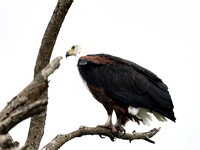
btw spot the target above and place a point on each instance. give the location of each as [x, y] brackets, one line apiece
[102, 136]
[117, 129]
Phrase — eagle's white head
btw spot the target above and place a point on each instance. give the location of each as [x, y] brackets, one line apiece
[78, 51]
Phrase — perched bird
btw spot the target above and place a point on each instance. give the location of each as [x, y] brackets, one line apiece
[133, 92]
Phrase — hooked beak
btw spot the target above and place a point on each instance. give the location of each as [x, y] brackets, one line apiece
[70, 52]
[67, 54]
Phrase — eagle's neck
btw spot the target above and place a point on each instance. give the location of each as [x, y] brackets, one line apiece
[80, 54]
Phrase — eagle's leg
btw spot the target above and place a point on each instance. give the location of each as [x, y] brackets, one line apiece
[108, 123]
[118, 126]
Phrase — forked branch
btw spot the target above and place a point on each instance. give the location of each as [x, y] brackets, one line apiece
[27, 102]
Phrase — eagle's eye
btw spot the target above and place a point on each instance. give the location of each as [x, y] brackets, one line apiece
[73, 47]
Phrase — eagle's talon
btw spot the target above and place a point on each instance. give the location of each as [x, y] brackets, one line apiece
[113, 139]
[102, 136]
[118, 129]
[116, 133]
[123, 132]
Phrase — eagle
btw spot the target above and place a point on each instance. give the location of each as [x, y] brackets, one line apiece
[133, 92]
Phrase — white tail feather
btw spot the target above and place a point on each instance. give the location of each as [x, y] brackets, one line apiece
[145, 114]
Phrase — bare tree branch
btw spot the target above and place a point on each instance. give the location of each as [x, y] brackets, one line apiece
[6, 142]
[61, 139]
[23, 112]
[37, 124]
[27, 102]
[51, 34]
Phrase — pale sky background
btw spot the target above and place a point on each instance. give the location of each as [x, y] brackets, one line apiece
[163, 36]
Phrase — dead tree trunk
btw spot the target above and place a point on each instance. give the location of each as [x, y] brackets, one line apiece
[37, 124]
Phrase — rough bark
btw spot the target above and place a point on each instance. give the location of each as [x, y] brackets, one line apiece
[28, 102]
[61, 139]
[37, 124]
[12, 114]
[6, 142]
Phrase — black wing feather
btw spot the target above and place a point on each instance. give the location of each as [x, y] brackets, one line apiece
[130, 83]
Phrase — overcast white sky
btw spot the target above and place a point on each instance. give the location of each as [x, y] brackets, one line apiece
[163, 36]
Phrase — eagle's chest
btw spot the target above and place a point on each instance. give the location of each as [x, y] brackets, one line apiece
[90, 74]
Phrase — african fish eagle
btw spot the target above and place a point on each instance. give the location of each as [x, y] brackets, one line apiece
[133, 92]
